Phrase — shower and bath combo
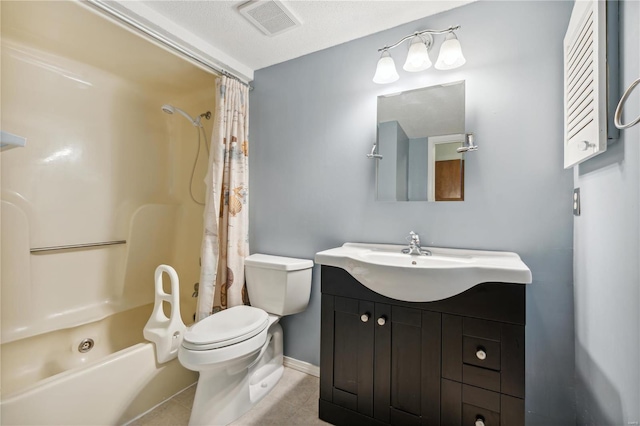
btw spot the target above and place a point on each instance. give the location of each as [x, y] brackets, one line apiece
[196, 122]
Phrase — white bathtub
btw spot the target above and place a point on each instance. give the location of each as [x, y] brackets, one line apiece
[47, 381]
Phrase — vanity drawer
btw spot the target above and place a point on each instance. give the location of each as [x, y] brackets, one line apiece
[464, 405]
[476, 416]
[501, 370]
[481, 328]
[481, 398]
[481, 377]
[481, 352]
[481, 343]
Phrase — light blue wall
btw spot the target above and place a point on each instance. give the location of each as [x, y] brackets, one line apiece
[607, 259]
[388, 148]
[402, 165]
[313, 119]
[393, 172]
[418, 175]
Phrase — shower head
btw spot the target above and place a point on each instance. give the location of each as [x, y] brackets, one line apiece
[170, 109]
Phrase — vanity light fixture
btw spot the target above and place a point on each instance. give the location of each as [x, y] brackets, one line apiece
[450, 56]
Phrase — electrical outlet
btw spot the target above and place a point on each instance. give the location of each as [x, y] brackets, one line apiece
[576, 201]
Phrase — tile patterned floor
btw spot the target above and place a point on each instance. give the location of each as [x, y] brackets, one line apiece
[293, 402]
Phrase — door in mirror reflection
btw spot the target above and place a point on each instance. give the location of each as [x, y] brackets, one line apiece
[446, 168]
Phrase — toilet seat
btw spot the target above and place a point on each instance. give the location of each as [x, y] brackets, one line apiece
[226, 328]
[201, 360]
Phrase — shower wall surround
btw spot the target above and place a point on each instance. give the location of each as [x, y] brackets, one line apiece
[102, 163]
[313, 119]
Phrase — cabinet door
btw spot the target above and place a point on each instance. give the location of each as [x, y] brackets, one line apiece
[407, 369]
[348, 339]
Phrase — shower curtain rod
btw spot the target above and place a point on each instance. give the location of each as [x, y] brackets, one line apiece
[106, 9]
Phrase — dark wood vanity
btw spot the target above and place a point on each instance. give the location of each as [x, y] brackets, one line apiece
[457, 361]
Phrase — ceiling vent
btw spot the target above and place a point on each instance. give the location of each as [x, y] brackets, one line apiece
[269, 16]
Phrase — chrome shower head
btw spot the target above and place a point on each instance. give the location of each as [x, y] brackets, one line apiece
[170, 109]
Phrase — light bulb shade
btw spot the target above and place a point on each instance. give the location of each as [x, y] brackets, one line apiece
[450, 56]
[418, 57]
[386, 70]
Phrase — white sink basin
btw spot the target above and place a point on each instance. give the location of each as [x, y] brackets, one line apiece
[384, 269]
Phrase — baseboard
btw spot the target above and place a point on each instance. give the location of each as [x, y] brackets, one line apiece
[302, 366]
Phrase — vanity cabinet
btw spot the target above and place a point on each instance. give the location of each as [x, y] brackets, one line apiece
[404, 366]
[456, 361]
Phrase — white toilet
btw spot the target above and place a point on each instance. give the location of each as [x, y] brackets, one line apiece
[238, 352]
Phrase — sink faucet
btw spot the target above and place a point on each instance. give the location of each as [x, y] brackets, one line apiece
[414, 246]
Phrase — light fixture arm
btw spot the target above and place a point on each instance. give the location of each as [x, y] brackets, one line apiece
[373, 155]
[420, 33]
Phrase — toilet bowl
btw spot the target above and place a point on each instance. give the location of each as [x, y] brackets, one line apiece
[238, 351]
[236, 371]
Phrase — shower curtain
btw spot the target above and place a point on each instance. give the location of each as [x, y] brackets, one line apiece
[225, 242]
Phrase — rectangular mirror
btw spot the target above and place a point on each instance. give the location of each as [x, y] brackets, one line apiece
[419, 132]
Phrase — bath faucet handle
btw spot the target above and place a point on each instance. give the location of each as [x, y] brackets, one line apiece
[414, 239]
[414, 246]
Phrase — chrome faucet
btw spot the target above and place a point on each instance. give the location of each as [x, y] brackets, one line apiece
[414, 246]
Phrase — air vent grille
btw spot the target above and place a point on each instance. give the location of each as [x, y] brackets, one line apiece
[269, 16]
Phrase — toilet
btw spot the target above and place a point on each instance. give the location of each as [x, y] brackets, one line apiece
[238, 352]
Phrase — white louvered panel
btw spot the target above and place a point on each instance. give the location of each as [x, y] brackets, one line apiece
[585, 83]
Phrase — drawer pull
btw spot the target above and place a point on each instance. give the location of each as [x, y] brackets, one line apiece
[481, 354]
[382, 320]
[365, 317]
[479, 421]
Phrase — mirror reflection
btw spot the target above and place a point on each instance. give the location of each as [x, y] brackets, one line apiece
[418, 134]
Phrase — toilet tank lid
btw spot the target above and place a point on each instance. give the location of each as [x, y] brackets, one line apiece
[277, 262]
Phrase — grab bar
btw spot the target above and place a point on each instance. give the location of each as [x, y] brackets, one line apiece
[77, 246]
[166, 332]
[618, 113]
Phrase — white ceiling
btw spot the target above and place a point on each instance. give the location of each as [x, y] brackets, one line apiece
[325, 23]
[431, 111]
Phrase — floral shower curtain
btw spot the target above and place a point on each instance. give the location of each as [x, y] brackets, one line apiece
[225, 242]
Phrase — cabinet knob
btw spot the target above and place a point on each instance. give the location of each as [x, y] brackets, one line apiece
[479, 421]
[481, 354]
[382, 320]
[365, 317]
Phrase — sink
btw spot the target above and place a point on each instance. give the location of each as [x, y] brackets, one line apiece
[397, 258]
[384, 269]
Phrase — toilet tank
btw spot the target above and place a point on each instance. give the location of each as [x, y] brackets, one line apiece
[278, 285]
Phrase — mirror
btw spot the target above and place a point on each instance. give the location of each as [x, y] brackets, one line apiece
[419, 132]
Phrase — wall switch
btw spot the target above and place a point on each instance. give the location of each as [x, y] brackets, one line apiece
[576, 201]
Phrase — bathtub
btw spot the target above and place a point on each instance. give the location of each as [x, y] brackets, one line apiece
[40, 387]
